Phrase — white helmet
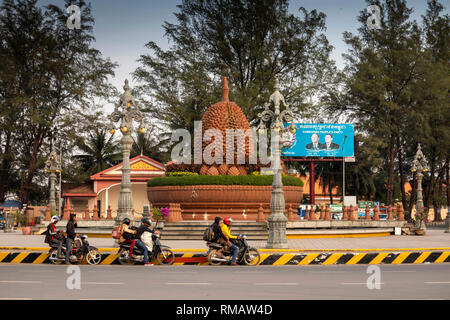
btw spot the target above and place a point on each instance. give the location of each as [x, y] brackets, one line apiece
[55, 219]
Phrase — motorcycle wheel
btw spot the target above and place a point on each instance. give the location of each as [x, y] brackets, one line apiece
[93, 257]
[252, 257]
[213, 254]
[165, 256]
[123, 257]
[54, 254]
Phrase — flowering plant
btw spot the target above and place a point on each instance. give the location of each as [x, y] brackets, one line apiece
[165, 212]
[422, 215]
[160, 214]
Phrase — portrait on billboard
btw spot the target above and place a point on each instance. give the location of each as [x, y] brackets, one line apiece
[314, 145]
[321, 140]
[329, 144]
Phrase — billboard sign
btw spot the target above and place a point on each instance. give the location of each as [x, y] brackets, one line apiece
[319, 140]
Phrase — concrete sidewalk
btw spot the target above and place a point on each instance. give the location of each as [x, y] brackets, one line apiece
[435, 238]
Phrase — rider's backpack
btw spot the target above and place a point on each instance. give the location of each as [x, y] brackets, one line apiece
[208, 234]
[116, 232]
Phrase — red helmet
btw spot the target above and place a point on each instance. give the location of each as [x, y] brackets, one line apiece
[227, 221]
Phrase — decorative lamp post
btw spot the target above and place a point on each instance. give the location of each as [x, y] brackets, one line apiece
[52, 166]
[420, 165]
[130, 111]
[277, 220]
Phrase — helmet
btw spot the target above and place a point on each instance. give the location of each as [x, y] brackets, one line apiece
[83, 237]
[146, 221]
[55, 219]
[227, 221]
[126, 221]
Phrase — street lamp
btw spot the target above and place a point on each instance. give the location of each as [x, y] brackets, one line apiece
[277, 220]
[130, 111]
[52, 166]
[420, 165]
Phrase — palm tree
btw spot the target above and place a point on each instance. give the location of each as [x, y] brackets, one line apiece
[329, 175]
[100, 152]
[151, 145]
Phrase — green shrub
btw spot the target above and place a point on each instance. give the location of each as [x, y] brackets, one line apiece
[181, 173]
[249, 180]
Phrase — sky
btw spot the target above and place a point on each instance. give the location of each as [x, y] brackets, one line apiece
[122, 28]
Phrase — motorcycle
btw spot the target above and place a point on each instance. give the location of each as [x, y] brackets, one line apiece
[81, 250]
[160, 252]
[246, 254]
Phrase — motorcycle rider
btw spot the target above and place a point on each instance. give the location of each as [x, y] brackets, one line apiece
[126, 235]
[71, 234]
[226, 226]
[218, 235]
[144, 239]
[50, 236]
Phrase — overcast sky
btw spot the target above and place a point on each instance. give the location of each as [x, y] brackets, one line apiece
[123, 27]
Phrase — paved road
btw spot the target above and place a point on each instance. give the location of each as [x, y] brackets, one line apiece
[434, 238]
[428, 281]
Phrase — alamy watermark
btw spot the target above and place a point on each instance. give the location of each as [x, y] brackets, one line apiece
[74, 20]
[374, 280]
[74, 280]
[374, 20]
[239, 146]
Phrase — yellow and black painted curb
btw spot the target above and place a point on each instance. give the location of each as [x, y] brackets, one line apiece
[269, 259]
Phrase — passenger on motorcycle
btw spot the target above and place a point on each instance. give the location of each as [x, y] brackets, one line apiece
[71, 234]
[218, 235]
[144, 239]
[226, 226]
[127, 235]
[50, 236]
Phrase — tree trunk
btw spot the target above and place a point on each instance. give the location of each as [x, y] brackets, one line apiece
[391, 163]
[428, 201]
[330, 189]
[5, 168]
[27, 176]
[402, 176]
[447, 173]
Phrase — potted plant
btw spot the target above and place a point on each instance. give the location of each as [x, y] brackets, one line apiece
[421, 219]
[22, 221]
[160, 215]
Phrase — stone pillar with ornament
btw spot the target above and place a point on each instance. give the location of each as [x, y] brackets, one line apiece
[109, 213]
[129, 112]
[47, 213]
[376, 217]
[344, 213]
[277, 220]
[95, 216]
[260, 216]
[367, 213]
[400, 214]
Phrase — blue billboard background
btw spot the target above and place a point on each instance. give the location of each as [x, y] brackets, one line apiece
[320, 140]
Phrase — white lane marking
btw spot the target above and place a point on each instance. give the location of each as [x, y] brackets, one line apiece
[18, 281]
[360, 283]
[16, 299]
[436, 282]
[277, 284]
[399, 271]
[181, 272]
[107, 283]
[189, 283]
[327, 271]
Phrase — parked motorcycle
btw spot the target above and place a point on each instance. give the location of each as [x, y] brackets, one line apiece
[246, 254]
[81, 250]
[160, 252]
